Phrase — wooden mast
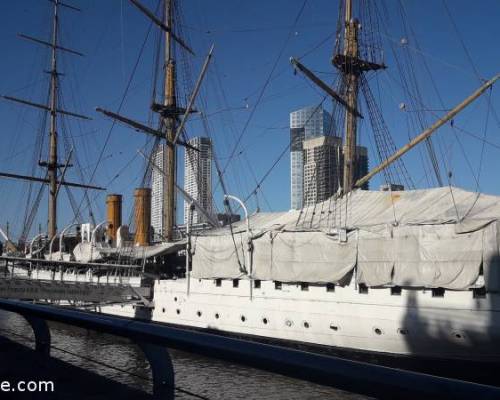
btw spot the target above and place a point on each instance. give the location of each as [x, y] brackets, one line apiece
[52, 165]
[170, 120]
[352, 81]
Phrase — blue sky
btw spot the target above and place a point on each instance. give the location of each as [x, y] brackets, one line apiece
[248, 38]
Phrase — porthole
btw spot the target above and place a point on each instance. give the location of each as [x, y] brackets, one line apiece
[265, 321]
[198, 313]
[458, 335]
[243, 318]
[178, 311]
[377, 331]
[306, 324]
[288, 323]
[334, 327]
[175, 298]
[217, 315]
[403, 331]
[163, 309]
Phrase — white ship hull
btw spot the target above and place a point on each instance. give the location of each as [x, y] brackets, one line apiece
[414, 323]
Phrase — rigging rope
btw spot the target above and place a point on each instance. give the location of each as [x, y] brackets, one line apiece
[122, 102]
[261, 94]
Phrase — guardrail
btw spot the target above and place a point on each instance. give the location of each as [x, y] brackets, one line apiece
[154, 339]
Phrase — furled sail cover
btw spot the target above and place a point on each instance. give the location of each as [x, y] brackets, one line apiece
[408, 238]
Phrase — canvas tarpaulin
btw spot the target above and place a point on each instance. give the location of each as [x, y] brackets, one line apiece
[429, 238]
[219, 256]
[303, 257]
[420, 256]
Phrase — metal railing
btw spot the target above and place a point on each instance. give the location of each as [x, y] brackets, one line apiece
[352, 376]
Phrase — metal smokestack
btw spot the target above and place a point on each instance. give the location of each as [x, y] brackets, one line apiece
[142, 213]
[114, 214]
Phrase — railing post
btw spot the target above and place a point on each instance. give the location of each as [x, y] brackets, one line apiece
[42, 334]
[162, 370]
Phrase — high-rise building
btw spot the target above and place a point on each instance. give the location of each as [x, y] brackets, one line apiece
[305, 123]
[361, 167]
[324, 167]
[157, 187]
[198, 176]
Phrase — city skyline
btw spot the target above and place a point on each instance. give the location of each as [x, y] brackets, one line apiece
[112, 34]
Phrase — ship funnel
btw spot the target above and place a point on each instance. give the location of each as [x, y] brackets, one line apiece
[114, 214]
[142, 213]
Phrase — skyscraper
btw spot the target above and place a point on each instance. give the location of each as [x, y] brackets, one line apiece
[198, 176]
[305, 123]
[157, 185]
[324, 167]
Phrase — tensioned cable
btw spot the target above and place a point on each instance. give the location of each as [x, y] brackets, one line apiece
[113, 124]
[261, 94]
[469, 57]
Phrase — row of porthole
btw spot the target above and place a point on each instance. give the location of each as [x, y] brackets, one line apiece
[265, 320]
[333, 327]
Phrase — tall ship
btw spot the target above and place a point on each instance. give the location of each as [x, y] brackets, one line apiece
[402, 273]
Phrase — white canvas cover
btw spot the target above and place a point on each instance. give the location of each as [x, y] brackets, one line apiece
[218, 256]
[376, 256]
[303, 257]
[425, 238]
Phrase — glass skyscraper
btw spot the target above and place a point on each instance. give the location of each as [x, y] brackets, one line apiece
[306, 123]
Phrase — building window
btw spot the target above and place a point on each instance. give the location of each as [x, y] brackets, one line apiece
[330, 287]
[256, 284]
[218, 282]
[277, 285]
[304, 286]
[236, 282]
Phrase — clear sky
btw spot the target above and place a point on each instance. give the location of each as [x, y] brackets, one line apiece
[249, 37]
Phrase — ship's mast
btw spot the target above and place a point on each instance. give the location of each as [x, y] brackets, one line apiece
[52, 165]
[170, 127]
[351, 79]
